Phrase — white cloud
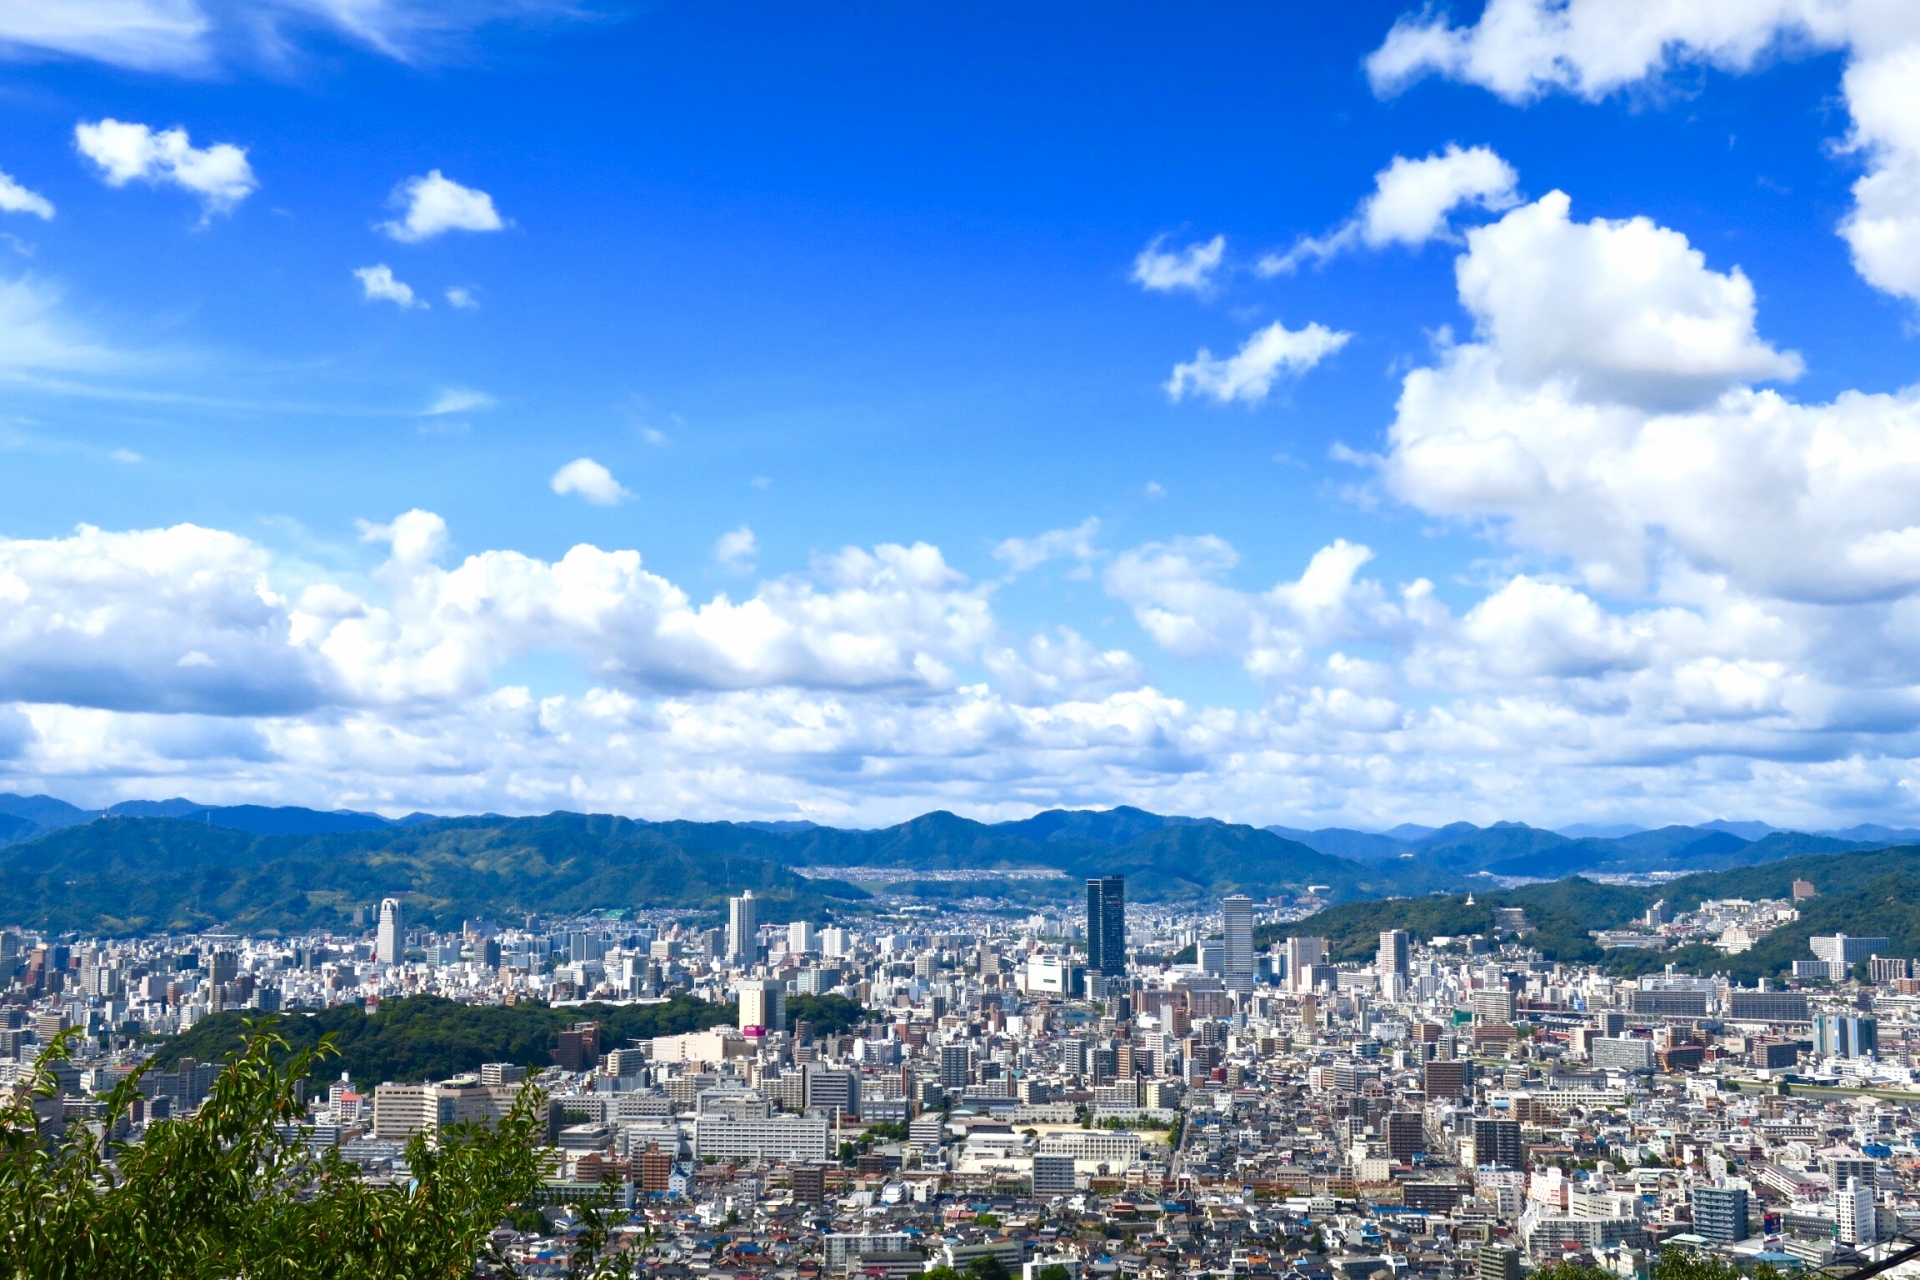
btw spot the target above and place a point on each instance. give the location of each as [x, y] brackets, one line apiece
[1061, 666]
[1249, 374]
[1410, 204]
[146, 34]
[1022, 555]
[736, 548]
[1624, 310]
[378, 285]
[15, 198]
[219, 175]
[127, 456]
[590, 480]
[462, 296]
[1190, 268]
[1523, 49]
[163, 661]
[1605, 416]
[436, 204]
[191, 36]
[458, 400]
[1412, 198]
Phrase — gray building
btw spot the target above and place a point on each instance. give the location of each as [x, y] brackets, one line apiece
[1720, 1214]
[1107, 925]
[1053, 1175]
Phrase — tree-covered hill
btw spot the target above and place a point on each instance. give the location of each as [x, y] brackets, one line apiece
[138, 875]
[1874, 893]
[430, 1038]
[123, 875]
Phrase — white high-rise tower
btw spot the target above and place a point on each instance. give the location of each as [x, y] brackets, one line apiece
[743, 929]
[390, 943]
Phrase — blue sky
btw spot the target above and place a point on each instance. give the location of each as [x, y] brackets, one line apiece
[771, 283]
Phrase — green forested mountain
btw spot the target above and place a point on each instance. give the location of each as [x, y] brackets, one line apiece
[134, 875]
[120, 875]
[1866, 893]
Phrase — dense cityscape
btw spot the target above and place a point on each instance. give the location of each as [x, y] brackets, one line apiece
[1110, 1089]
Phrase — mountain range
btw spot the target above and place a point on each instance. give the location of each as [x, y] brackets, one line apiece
[175, 866]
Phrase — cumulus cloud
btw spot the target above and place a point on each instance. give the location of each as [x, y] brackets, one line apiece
[1021, 555]
[736, 548]
[590, 480]
[377, 284]
[1249, 374]
[15, 198]
[1410, 205]
[1523, 49]
[435, 204]
[167, 660]
[1062, 665]
[1624, 310]
[462, 296]
[1190, 268]
[1606, 415]
[219, 175]
[179, 619]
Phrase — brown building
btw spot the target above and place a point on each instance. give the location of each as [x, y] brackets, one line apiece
[579, 1048]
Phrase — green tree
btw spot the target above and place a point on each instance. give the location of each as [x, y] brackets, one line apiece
[1570, 1271]
[233, 1191]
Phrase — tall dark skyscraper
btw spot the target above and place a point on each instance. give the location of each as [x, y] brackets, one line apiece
[1107, 925]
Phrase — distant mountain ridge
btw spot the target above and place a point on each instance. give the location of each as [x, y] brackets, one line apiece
[120, 874]
[42, 815]
[1515, 850]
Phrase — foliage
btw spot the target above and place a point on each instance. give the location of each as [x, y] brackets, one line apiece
[225, 1192]
[141, 875]
[431, 1038]
[830, 1015]
[1570, 1271]
[123, 875]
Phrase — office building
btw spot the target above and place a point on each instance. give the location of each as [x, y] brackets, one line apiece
[1623, 1053]
[1396, 953]
[1053, 1175]
[1236, 961]
[1844, 1036]
[763, 1004]
[1882, 969]
[1766, 1006]
[1061, 975]
[802, 937]
[1107, 925]
[579, 1048]
[1720, 1214]
[390, 942]
[956, 1066]
[1497, 1143]
[772, 1138]
[1304, 956]
[1406, 1135]
[743, 929]
[1840, 949]
[1448, 1079]
[833, 1092]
